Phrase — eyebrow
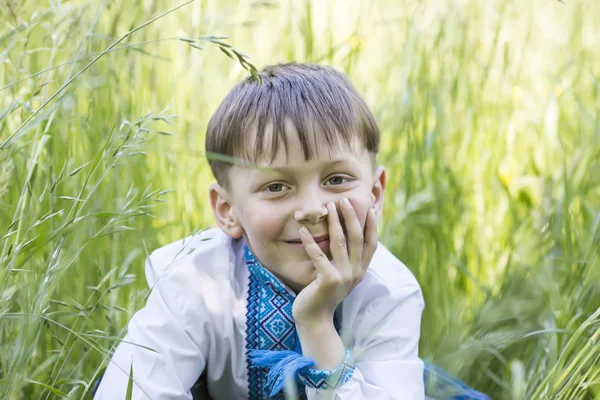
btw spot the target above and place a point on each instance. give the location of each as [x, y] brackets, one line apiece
[327, 164]
[269, 169]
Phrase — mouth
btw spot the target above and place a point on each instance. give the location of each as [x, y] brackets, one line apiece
[322, 241]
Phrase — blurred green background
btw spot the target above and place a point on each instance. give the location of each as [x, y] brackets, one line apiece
[490, 120]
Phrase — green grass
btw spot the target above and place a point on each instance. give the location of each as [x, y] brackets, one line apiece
[490, 119]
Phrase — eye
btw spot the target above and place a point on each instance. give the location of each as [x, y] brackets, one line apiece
[275, 188]
[338, 180]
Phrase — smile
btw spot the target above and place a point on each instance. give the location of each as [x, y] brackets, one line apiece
[322, 241]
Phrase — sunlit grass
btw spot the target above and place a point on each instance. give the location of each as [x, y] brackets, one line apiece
[489, 113]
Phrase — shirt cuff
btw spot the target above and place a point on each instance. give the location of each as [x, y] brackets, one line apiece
[329, 379]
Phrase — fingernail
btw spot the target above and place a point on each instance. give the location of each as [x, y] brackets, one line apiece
[304, 230]
[331, 206]
[345, 202]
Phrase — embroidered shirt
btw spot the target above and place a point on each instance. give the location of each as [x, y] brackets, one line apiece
[208, 307]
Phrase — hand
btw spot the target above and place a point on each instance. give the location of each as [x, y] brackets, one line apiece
[316, 303]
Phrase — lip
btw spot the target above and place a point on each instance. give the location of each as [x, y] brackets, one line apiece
[317, 239]
[322, 241]
[321, 238]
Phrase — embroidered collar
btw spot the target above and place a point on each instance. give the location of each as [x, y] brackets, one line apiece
[265, 276]
[269, 323]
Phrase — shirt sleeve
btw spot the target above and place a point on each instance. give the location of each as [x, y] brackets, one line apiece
[385, 349]
[166, 359]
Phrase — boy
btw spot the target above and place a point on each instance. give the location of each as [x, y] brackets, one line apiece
[293, 288]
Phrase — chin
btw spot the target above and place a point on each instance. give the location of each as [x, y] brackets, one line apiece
[305, 272]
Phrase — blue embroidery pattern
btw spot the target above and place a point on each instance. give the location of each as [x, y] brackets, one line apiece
[252, 328]
[269, 324]
[334, 378]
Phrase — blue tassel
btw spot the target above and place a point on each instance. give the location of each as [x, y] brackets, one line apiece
[284, 365]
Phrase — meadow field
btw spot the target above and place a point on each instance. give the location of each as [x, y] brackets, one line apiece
[490, 119]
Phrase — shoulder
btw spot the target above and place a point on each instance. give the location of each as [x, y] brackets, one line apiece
[197, 278]
[388, 284]
[208, 250]
[389, 275]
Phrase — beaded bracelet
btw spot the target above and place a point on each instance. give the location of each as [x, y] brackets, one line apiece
[329, 379]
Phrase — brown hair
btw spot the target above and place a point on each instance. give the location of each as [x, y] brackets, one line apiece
[318, 100]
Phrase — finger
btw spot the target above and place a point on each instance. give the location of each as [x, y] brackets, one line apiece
[355, 232]
[371, 239]
[337, 239]
[317, 256]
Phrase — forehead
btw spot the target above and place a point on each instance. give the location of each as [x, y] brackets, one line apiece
[290, 147]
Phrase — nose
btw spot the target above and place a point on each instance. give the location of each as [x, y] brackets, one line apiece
[311, 208]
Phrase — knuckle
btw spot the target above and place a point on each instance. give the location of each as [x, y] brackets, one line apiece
[347, 270]
[360, 277]
[342, 242]
[348, 282]
[336, 280]
[318, 255]
[361, 240]
[346, 276]
[329, 284]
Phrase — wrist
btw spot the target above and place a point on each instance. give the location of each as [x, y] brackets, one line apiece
[329, 379]
[321, 342]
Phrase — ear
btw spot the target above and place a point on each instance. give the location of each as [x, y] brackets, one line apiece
[378, 190]
[223, 211]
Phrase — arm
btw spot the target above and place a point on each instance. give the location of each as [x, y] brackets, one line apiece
[387, 366]
[322, 343]
[384, 348]
[178, 359]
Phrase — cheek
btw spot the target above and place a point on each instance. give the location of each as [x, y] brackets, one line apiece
[361, 207]
[263, 224]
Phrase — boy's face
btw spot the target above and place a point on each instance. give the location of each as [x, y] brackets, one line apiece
[269, 209]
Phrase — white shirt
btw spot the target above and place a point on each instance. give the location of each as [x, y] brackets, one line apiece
[195, 320]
